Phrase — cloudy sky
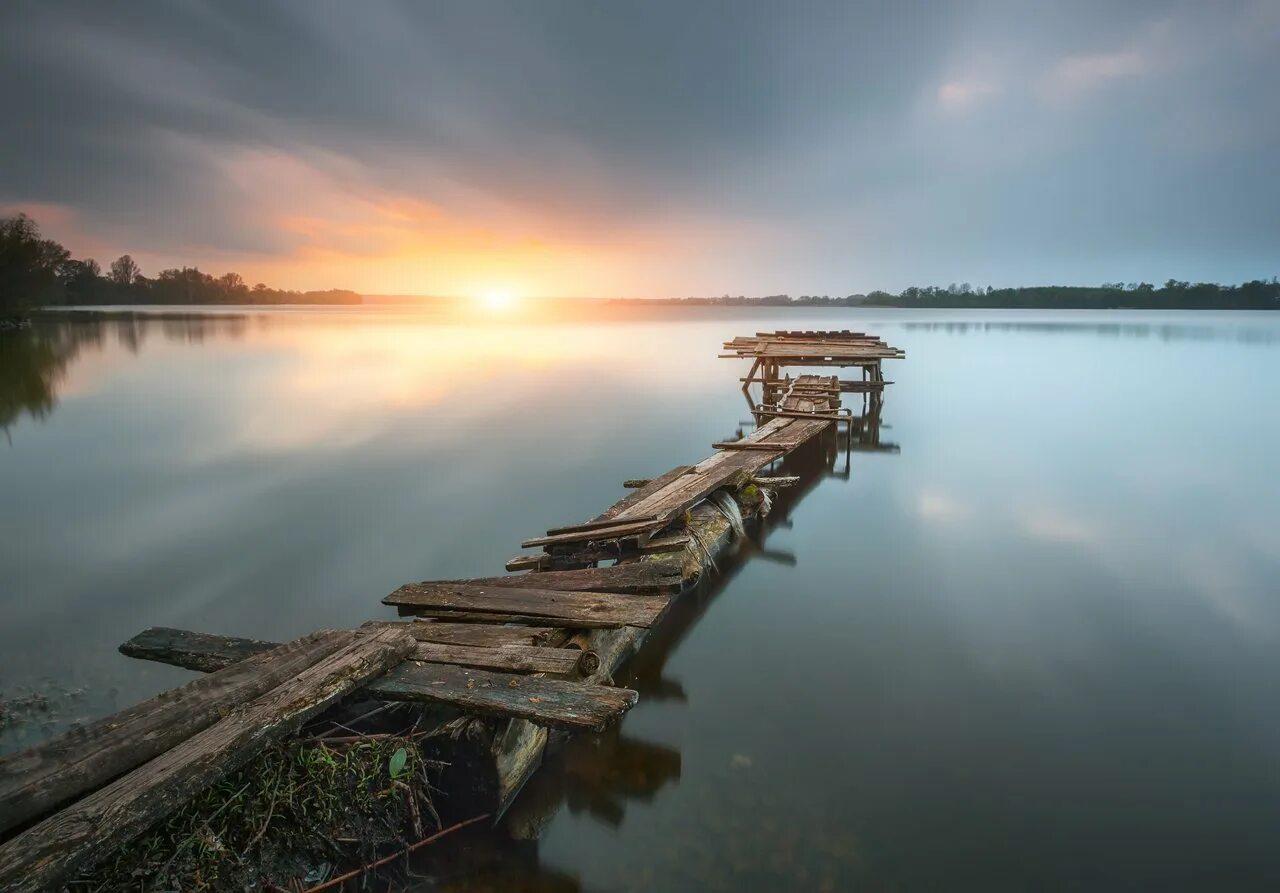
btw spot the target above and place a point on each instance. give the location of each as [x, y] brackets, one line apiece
[650, 149]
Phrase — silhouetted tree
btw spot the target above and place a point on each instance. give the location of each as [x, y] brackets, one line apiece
[124, 271]
[29, 266]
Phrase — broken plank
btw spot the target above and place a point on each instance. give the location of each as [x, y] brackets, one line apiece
[595, 524]
[194, 651]
[36, 781]
[568, 607]
[50, 853]
[490, 635]
[777, 482]
[490, 617]
[611, 531]
[512, 658]
[644, 491]
[637, 576]
[540, 561]
[549, 702]
[753, 445]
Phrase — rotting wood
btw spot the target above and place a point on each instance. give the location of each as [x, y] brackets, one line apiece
[752, 445]
[484, 635]
[48, 854]
[486, 617]
[550, 702]
[598, 534]
[776, 482]
[487, 635]
[567, 607]
[194, 651]
[635, 577]
[591, 526]
[511, 658]
[636, 483]
[36, 781]
[644, 491]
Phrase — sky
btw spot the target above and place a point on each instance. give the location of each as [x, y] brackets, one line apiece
[650, 149]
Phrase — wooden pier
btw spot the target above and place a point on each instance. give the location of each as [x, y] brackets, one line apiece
[496, 663]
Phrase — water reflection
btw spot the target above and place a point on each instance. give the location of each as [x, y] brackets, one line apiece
[597, 777]
[34, 362]
[1034, 649]
[1240, 333]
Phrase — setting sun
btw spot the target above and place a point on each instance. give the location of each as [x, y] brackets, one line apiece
[496, 300]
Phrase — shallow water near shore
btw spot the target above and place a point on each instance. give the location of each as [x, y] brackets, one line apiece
[1035, 645]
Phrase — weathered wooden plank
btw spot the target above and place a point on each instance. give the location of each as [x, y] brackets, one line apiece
[584, 555]
[784, 414]
[707, 476]
[637, 576]
[38, 780]
[599, 533]
[195, 651]
[484, 635]
[549, 702]
[489, 635]
[567, 607]
[589, 526]
[512, 658]
[493, 617]
[48, 854]
[776, 483]
[753, 445]
[644, 491]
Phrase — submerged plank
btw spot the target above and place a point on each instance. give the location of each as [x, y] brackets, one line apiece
[567, 607]
[549, 702]
[48, 854]
[38, 780]
[192, 650]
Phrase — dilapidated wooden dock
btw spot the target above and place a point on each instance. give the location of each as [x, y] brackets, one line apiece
[494, 664]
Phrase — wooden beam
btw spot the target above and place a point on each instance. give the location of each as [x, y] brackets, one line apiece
[512, 658]
[194, 651]
[644, 491]
[492, 617]
[36, 781]
[611, 531]
[49, 854]
[754, 445]
[598, 523]
[637, 576]
[488, 635]
[567, 607]
[549, 702]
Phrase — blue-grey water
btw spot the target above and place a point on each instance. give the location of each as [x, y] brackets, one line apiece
[1037, 647]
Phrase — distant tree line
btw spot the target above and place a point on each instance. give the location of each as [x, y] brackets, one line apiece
[38, 272]
[1259, 294]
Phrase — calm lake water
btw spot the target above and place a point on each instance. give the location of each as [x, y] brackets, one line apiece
[1036, 648]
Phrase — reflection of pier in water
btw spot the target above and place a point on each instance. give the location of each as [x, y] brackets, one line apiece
[599, 774]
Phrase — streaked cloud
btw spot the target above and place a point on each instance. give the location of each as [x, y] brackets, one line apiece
[1076, 74]
[656, 148]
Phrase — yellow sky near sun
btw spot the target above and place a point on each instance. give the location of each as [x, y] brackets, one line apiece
[344, 231]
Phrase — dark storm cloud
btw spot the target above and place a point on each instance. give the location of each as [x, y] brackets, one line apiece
[876, 145]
